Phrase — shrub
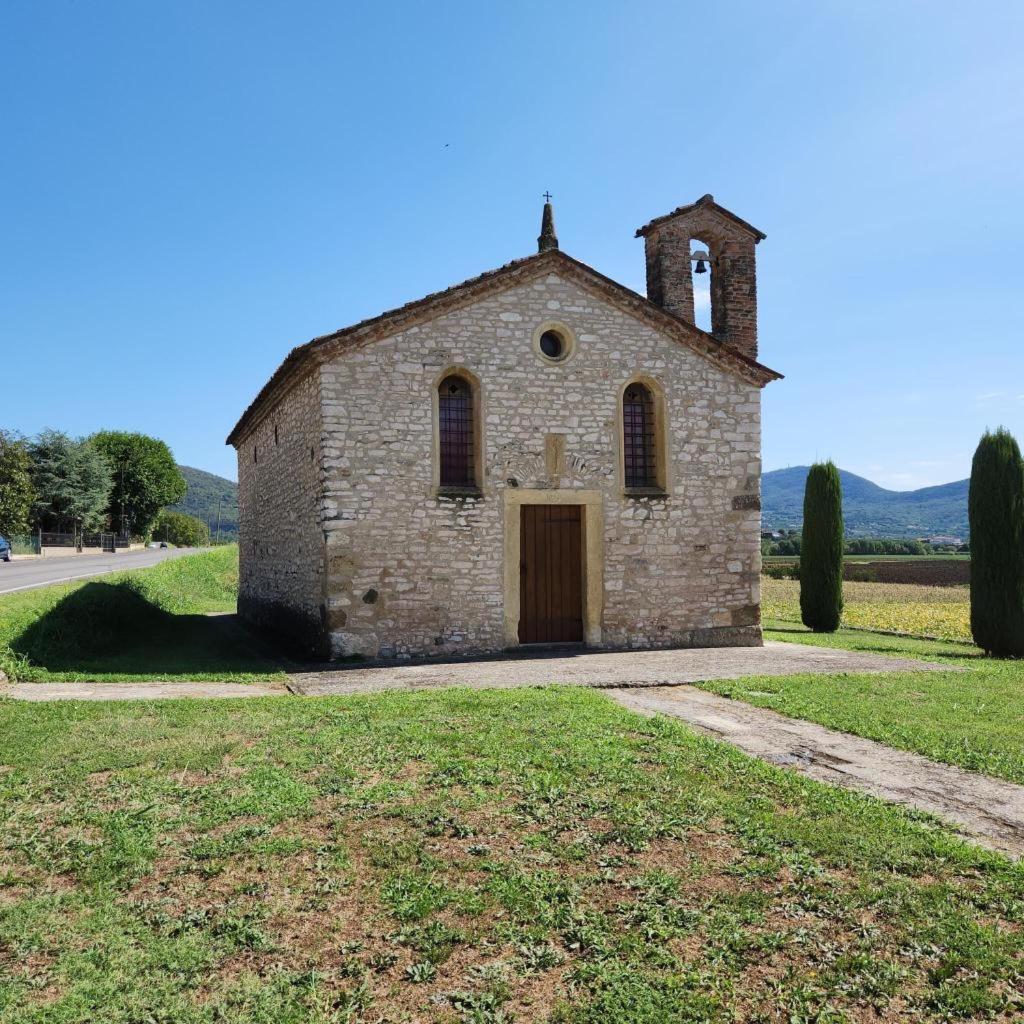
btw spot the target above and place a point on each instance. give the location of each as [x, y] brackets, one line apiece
[181, 529]
[861, 574]
[995, 508]
[783, 571]
[821, 555]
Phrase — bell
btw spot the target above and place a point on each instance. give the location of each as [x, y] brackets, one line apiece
[700, 268]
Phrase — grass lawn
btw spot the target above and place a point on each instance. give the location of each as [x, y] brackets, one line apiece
[972, 718]
[943, 612]
[469, 856]
[140, 624]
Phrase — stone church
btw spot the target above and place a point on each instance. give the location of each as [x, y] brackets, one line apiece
[536, 456]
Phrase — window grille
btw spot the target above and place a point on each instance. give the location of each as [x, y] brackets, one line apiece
[638, 437]
[455, 416]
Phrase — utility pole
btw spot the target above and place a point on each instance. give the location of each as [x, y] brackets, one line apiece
[122, 497]
[218, 520]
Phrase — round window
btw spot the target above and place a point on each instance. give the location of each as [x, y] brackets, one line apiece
[552, 345]
[554, 342]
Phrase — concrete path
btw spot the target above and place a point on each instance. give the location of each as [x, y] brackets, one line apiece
[618, 669]
[630, 668]
[988, 810]
[137, 691]
[26, 574]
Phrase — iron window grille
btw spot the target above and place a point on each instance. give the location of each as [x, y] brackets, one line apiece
[638, 438]
[455, 416]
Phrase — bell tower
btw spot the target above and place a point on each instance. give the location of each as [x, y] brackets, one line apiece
[729, 243]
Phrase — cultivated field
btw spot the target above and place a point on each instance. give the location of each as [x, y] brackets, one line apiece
[942, 612]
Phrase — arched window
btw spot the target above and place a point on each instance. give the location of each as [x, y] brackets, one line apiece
[639, 457]
[455, 432]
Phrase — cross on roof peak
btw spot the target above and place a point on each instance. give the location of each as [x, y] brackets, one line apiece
[548, 239]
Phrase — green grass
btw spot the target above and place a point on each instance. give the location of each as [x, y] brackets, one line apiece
[141, 624]
[973, 718]
[468, 856]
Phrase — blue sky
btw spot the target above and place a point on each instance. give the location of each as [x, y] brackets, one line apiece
[191, 189]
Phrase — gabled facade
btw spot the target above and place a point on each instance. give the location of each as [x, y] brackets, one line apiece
[538, 455]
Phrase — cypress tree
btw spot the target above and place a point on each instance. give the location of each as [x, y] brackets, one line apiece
[995, 509]
[821, 550]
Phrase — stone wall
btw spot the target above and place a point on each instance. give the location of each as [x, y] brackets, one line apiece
[412, 573]
[281, 544]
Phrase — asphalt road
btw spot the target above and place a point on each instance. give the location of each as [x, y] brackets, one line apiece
[26, 573]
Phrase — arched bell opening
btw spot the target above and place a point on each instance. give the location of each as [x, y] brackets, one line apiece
[701, 267]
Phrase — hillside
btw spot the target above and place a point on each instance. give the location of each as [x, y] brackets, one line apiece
[869, 510]
[206, 492]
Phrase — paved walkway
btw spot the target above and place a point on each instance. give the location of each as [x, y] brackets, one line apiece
[138, 691]
[988, 810]
[630, 668]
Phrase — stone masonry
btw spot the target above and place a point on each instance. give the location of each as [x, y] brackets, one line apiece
[280, 499]
[348, 548]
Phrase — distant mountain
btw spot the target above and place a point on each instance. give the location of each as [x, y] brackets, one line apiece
[206, 493]
[869, 510]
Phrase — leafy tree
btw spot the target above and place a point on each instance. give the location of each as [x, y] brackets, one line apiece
[16, 492]
[995, 508]
[821, 555]
[71, 481]
[145, 479]
[181, 529]
[789, 546]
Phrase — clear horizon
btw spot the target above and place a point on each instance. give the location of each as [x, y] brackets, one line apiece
[192, 191]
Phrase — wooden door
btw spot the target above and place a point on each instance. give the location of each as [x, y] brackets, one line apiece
[551, 574]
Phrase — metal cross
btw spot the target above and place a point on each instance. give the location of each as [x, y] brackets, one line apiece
[547, 197]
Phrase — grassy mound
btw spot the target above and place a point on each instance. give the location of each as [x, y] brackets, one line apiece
[146, 623]
[193, 585]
